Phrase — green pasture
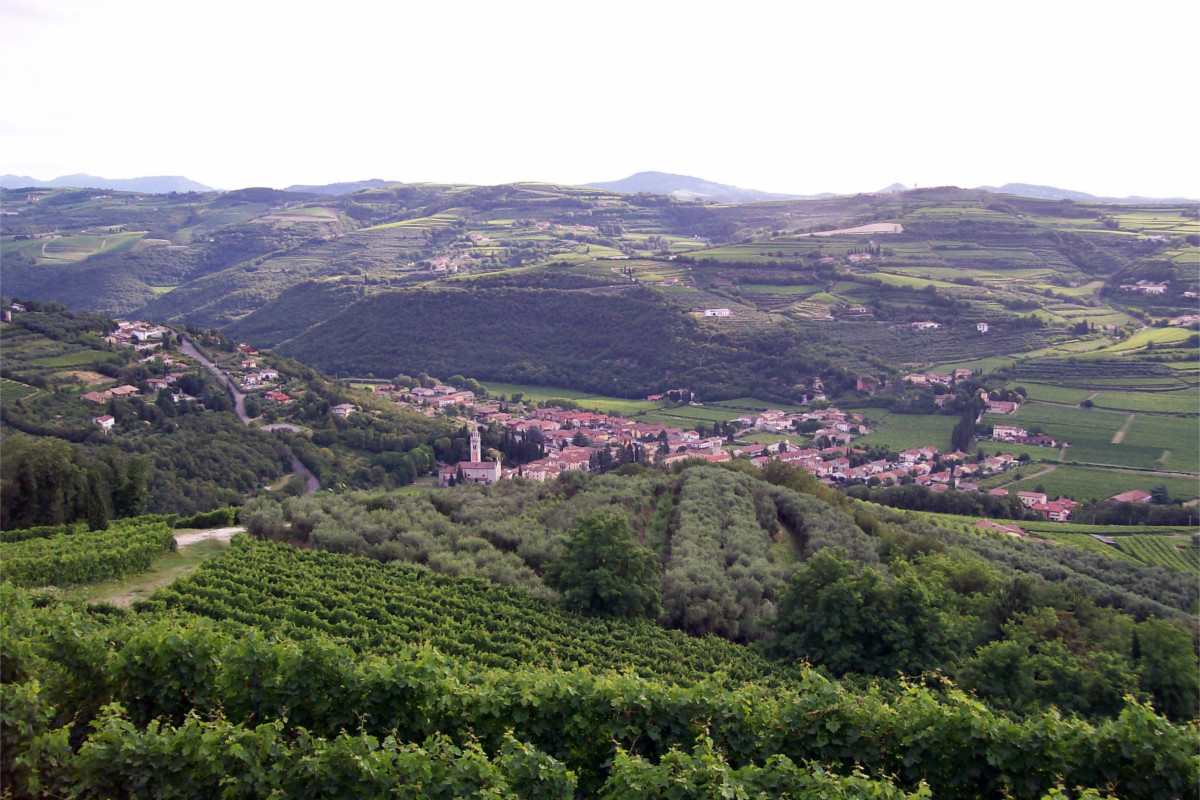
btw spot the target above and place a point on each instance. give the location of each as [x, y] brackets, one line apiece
[908, 281]
[617, 406]
[1089, 431]
[437, 221]
[1035, 452]
[1174, 441]
[1097, 483]
[75, 359]
[1052, 394]
[1180, 402]
[1146, 336]
[592, 402]
[537, 394]
[984, 365]
[751, 404]
[908, 431]
[309, 211]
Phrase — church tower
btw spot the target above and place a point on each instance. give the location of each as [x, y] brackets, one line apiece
[476, 455]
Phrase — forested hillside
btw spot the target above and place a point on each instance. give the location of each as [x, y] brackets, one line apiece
[178, 448]
[625, 344]
[285, 267]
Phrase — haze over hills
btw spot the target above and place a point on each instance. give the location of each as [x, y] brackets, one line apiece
[685, 187]
[338, 189]
[1053, 193]
[152, 184]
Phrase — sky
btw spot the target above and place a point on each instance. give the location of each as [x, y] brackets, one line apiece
[786, 97]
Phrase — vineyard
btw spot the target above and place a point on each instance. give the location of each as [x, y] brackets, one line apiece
[319, 718]
[1176, 553]
[1097, 374]
[379, 608]
[72, 557]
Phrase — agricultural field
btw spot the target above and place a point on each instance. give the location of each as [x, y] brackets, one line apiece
[1175, 552]
[71, 359]
[1156, 337]
[907, 431]
[1052, 394]
[1180, 402]
[11, 390]
[1089, 431]
[801, 290]
[591, 402]
[1096, 483]
[1175, 439]
[686, 416]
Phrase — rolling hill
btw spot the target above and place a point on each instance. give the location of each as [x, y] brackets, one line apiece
[685, 187]
[152, 184]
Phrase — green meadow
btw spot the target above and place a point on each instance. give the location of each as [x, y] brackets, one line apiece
[908, 431]
[1097, 483]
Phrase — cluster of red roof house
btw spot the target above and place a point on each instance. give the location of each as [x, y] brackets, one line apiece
[137, 334]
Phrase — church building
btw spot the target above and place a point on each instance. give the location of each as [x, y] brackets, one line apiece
[474, 471]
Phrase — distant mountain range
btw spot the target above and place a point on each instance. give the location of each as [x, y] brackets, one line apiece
[1053, 193]
[682, 187]
[685, 187]
[338, 189]
[151, 184]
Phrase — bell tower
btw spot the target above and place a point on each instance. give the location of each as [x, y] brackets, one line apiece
[476, 455]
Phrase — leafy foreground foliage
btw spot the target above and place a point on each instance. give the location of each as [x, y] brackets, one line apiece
[102, 704]
[73, 556]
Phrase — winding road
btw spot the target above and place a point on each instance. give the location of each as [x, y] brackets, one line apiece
[311, 484]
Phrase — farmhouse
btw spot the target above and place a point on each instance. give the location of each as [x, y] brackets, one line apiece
[343, 410]
[1031, 499]
[982, 327]
[926, 325]
[105, 422]
[717, 312]
[1008, 433]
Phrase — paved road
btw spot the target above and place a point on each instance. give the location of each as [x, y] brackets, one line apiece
[191, 350]
[311, 483]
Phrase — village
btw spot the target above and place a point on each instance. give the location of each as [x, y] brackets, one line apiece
[593, 442]
[578, 440]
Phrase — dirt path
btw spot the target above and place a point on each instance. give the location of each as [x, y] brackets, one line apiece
[1119, 436]
[194, 548]
[222, 534]
[1046, 469]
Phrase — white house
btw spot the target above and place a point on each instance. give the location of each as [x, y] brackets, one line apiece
[717, 312]
[105, 422]
[982, 327]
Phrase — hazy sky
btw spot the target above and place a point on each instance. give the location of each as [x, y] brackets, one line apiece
[780, 96]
